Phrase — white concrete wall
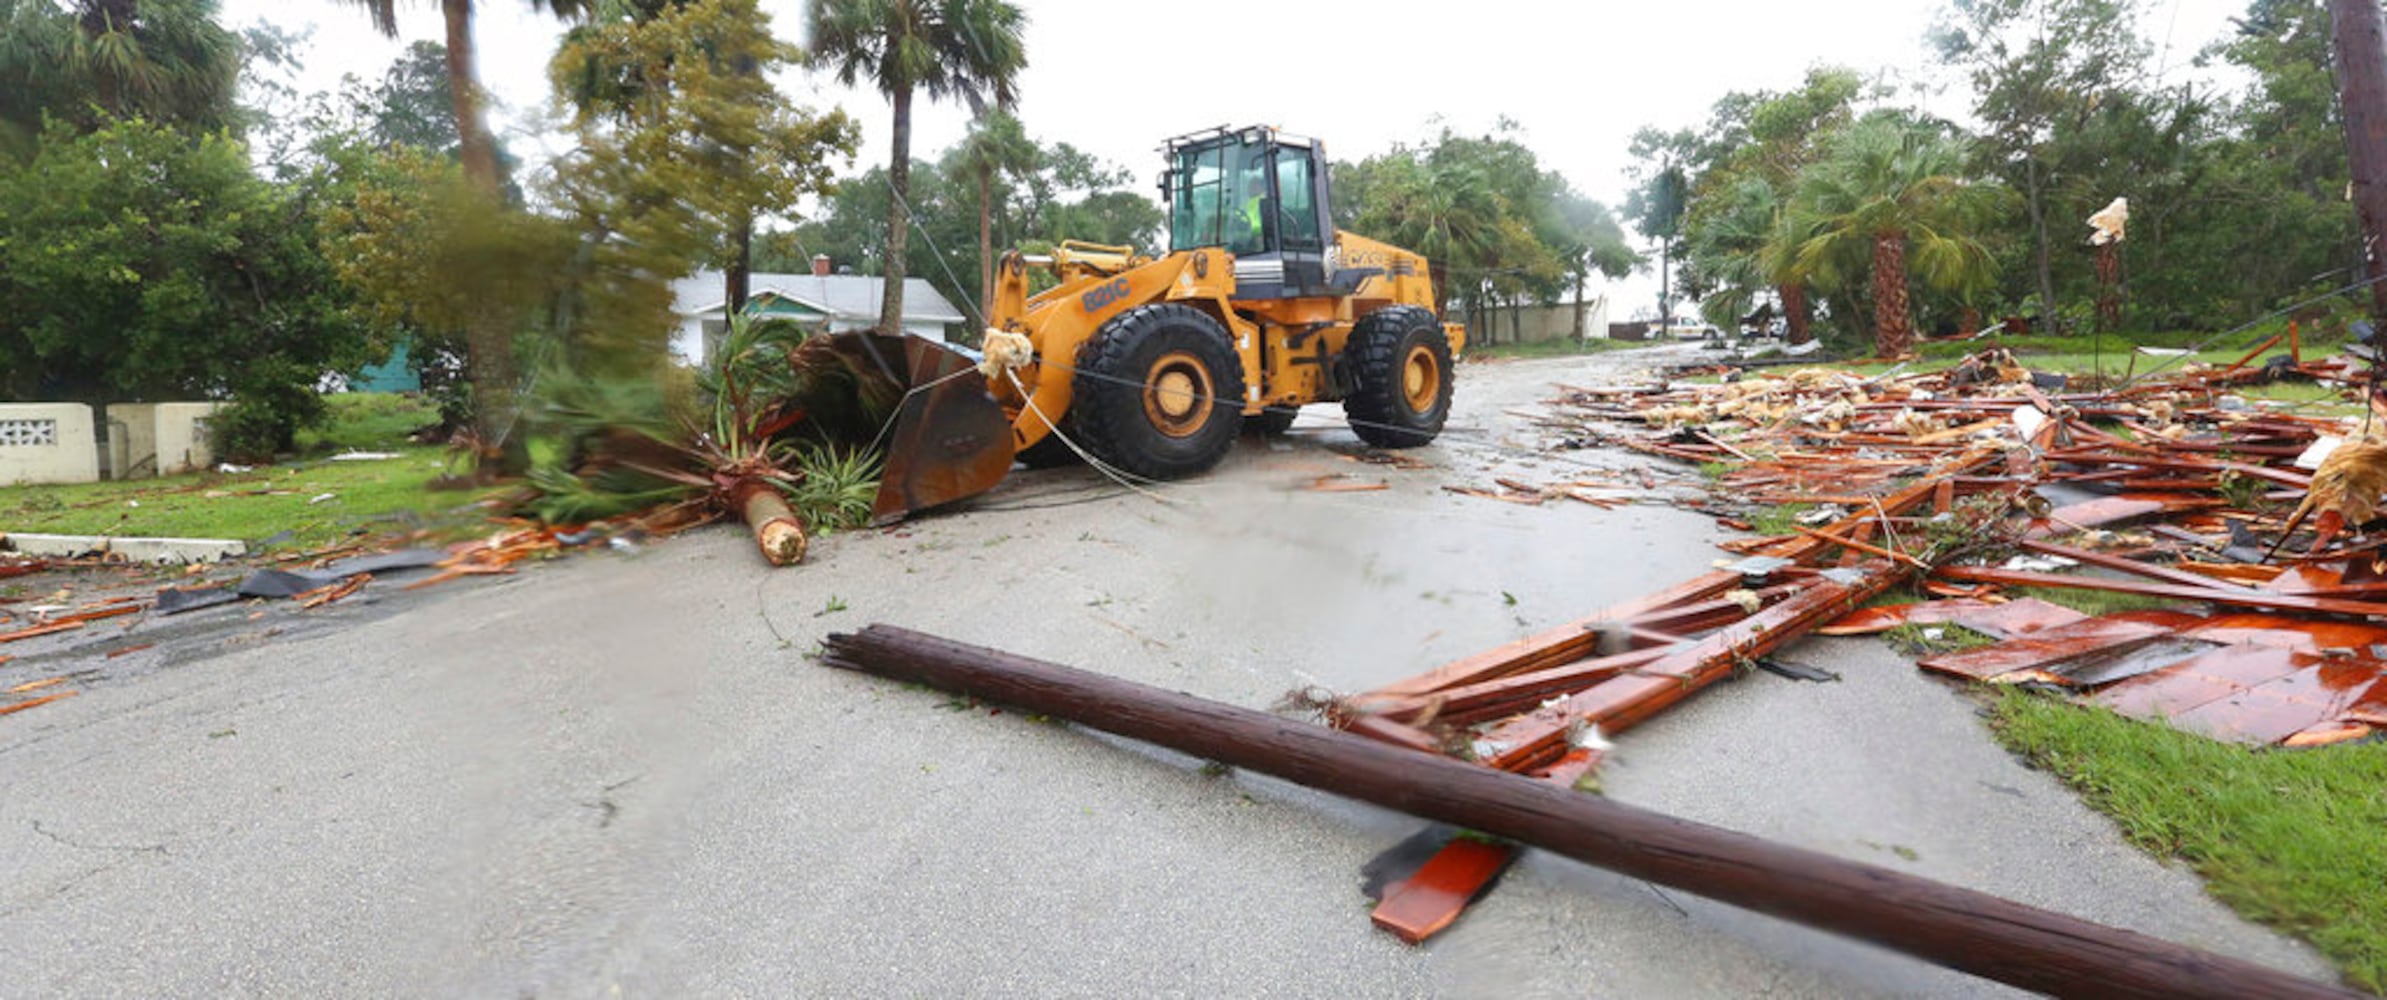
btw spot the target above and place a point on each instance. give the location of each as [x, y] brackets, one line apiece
[182, 441]
[158, 439]
[47, 443]
[132, 440]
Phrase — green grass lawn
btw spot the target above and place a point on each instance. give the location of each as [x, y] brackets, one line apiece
[2296, 839]
[2112, 354]
[373, 496]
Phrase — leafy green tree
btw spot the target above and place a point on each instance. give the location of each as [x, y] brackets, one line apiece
[666, 171]
[490, 359]
[2047, 76]
[1588, 237]
[137, 263]
[1064, 194]
[87, 62]
[1660, 197]
[2268, 171]
[1735, 233]
[415, 103]
[945, 48]
[996, 147]
[419, 246]
[1892, 193]
[1496, 227]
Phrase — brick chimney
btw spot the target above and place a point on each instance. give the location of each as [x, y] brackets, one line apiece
[820, 264]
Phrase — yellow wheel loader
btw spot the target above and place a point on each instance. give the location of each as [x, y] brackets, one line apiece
[1154, 365]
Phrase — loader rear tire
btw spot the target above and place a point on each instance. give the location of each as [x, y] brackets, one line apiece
[1159, 392]
[1401, 369]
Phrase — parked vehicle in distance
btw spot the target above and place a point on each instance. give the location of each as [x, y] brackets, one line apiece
[1683, 329]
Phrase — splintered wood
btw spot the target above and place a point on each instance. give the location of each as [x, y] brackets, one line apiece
[2165, 489]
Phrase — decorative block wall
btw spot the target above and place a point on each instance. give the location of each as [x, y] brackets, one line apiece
[47, 443]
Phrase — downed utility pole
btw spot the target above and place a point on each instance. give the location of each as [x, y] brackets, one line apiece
[2360, 35]
[1962, 929]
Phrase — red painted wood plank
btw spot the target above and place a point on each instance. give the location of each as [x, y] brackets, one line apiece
[1430, 900]
[2048, 647]
[2212, 595]
[2223, 672]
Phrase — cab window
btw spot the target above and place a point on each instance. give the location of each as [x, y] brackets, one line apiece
[1298, 218]
[1219, 198]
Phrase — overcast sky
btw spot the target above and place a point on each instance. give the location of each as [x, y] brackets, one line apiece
[1116, 78]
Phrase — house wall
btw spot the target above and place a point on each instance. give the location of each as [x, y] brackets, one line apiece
[687, 341]
[1536, 323]
[47, 443]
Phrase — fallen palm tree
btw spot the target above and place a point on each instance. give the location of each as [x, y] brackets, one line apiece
[777, 431]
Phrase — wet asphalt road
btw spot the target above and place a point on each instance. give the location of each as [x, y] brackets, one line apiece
[619, 776]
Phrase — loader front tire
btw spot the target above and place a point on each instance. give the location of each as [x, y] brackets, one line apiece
[1401, 369]
[1049, 452]
[1159, 392]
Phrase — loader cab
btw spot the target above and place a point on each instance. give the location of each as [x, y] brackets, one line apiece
[1260, 195]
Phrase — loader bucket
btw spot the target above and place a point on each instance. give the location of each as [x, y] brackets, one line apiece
[951, 439]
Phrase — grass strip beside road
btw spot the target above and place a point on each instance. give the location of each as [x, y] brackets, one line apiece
[250, 506]
[374, 496]
[2296, 839]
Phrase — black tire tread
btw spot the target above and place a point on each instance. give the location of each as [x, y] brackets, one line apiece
[1375, 408]
[1107, 394]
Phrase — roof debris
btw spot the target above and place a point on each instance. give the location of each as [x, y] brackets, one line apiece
[2173, 493]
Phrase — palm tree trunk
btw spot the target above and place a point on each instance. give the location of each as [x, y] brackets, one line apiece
[478, 150]
[986, 240]
[1665, 260]
[1579, 305]
[739, 280]
[1893, 327]
[488, 343]
[1794, 312]
[777, 531]
[899, 178]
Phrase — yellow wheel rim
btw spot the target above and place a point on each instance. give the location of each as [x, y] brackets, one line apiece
[1177, 394]
[1421, 379]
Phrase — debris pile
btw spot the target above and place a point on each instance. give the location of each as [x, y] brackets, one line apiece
[2257, 607]
[1988, 493]
[777, 416]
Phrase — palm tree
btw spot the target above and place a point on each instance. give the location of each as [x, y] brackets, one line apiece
[489, 362]
[165, 60]
[478, 149]
[996, 145]
[948, 48]
[1895, 188]
[1746, 245]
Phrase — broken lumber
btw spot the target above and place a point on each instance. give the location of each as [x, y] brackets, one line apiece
[35, 702]
[2218, 593]
[1963, 929]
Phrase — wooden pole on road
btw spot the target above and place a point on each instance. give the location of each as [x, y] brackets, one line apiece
[2360, 35]
[1959, 928]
